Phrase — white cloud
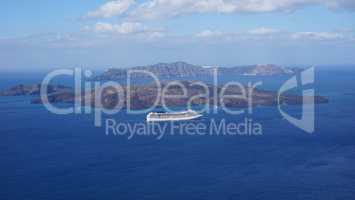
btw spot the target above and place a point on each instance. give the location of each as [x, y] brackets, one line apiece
[276, 34]
[130, 27]
[264, 31]
[256, 33]
[126, 29]
[318, 35]
[209, 33]
[155, 9]
[111, 9]
[270, 5]
[102, 27]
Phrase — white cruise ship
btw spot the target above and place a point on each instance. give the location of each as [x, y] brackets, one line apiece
[173, 116]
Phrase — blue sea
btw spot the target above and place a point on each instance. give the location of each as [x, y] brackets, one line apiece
[47, 156]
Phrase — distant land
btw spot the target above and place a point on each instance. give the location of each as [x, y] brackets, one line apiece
[142, 97]
[183, 69]
[33, 89]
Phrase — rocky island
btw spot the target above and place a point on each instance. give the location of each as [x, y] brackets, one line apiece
[186, 70]
[142, 97]
[196, 93]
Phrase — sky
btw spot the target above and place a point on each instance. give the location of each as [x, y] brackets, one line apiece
[99, 34]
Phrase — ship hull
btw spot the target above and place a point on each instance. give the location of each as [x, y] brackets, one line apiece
[164, 118]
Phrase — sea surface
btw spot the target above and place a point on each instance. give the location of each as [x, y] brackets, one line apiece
[48, 156]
